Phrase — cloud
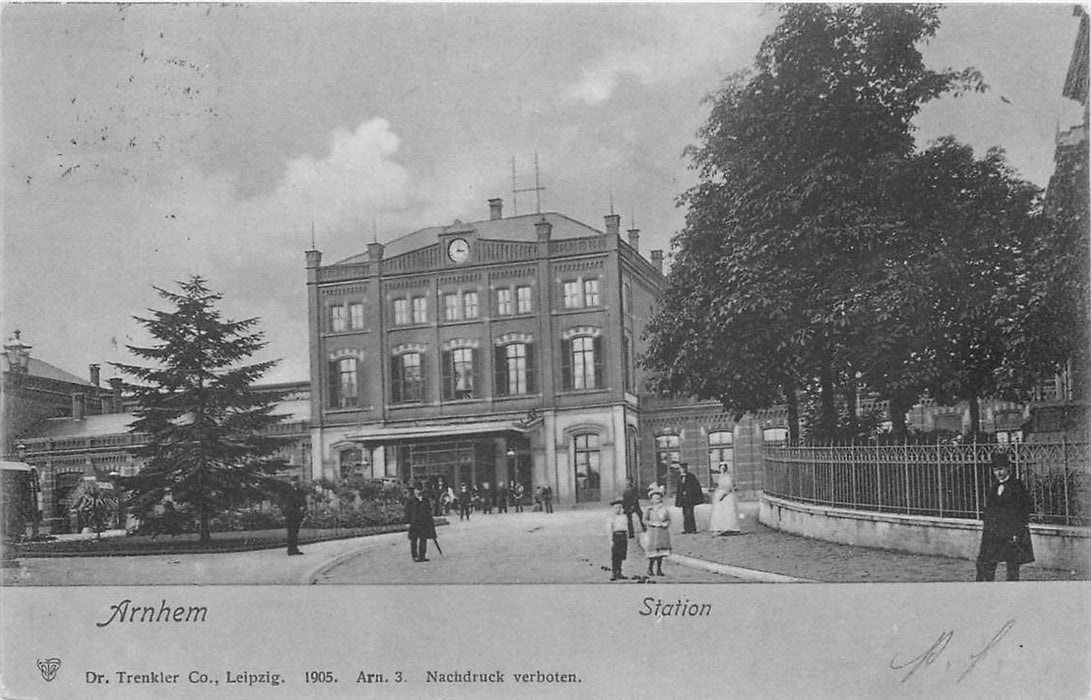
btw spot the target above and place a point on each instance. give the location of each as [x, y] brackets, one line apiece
[116, 229]
[679, 45]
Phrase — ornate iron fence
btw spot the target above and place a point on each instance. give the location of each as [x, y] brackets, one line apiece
[946, 481]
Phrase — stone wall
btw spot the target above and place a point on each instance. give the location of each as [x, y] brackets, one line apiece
[1055, 547]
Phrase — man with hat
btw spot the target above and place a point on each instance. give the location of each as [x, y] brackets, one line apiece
[1005, 535]
[619, 538]
[688, 496]
[418, 515]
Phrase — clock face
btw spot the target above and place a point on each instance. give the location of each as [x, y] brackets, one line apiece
[458, 250]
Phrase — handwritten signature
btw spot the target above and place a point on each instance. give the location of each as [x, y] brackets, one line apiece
[933, 653]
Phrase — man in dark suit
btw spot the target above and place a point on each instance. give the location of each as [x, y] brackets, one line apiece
[1005, 535]
[688, 496]
[630, 501]
[418, 515]
[294, 506]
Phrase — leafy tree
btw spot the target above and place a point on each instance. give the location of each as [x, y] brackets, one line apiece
[785, 227]
[963, 270]
[207, 444]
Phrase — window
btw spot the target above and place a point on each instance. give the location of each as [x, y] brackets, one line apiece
[343, 386]
[581, 363]
[401, 312]
[503, 302]
[420, 310]
[721, 449]
[356, 315]
[522, 296]
[587, 459]
[337, 318]
[668, 451]
[775, 436]
[1007, 437]
[450, 307]
[515, 369]
[572, 294]
[459, 373]
[590, 292]
[351, 462]
[407, 378]
[469, 305]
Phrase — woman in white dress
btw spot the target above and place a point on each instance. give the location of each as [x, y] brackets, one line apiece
[725, 505]
[657, 540]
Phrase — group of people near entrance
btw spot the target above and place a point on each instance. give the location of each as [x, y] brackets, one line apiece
[656, 519]
[485, 499]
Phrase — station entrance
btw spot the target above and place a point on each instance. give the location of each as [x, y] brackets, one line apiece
[472, 460]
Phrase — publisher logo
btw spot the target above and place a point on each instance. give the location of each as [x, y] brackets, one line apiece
[49, 668]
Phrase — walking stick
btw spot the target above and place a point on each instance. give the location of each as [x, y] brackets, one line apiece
[438, 548]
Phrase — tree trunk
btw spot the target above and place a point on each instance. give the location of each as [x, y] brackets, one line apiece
[792, 402]
[206, 530]
[897, 410]
[827, 402]
[975, 414]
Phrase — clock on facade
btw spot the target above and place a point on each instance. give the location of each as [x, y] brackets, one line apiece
[458, 250]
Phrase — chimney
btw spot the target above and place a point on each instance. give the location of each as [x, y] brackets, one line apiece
[634, 238]
[375, 252]
[613, 224]
[496, 209]
[314, 258]
[94, 374]
[657, 260]
[544, 229]
[115, 388]
[79, 405]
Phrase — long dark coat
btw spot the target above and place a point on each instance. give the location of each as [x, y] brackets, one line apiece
[418, 515]
[689, 491]
[1007, 515]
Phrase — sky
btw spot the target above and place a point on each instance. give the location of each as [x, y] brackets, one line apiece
[143, 144]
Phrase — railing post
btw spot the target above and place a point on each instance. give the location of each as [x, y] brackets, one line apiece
[852, 473]
[1064, 471]
[939, 481]
[905, 463]
[977, 486]
[878, 481]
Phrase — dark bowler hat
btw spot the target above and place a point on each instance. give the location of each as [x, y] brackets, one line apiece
[1000, 460]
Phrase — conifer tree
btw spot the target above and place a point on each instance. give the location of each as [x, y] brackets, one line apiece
[207, 441]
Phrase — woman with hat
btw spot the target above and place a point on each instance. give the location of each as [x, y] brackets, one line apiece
[725, 505]
[657, 540]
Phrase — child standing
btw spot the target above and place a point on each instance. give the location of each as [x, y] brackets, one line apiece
[619, 538]
[658, 543]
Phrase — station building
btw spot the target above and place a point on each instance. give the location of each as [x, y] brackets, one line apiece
[500, 350]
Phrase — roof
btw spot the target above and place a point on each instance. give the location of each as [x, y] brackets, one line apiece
[39, 368]
[512, 228]
[15, 466]
[118, 423]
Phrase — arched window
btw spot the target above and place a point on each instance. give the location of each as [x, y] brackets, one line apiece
[668, 451]
[351, 461]
[587, 461]
[407, 377]
[582, 359]
[515, 369]
[344, 390]
[721, 450]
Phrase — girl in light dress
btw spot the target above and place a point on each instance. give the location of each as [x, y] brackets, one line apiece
[657, 545]
[725, 505]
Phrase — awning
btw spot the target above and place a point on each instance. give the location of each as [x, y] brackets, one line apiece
[381, 433]
[16, 466]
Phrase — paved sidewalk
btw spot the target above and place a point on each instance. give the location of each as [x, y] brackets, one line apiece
[762, 549]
